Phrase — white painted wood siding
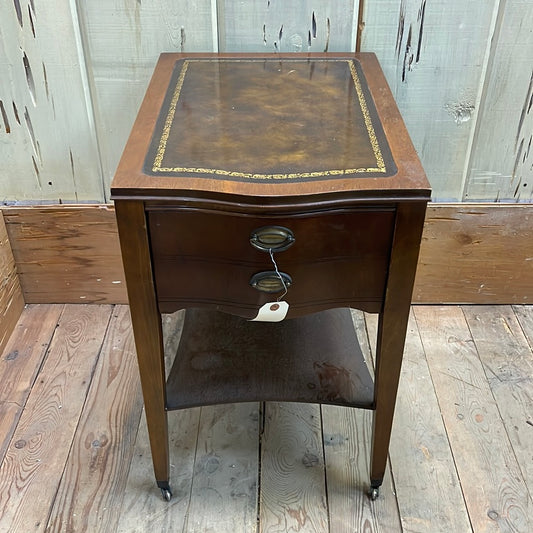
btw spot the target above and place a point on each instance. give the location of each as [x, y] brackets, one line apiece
[280, 26]
[47, 143]
[123, 40]
[433, 54]
[501, 166]
[73, 73]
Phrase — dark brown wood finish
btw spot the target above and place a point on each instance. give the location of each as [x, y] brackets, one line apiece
[392, 328]
[409, 181]
[225, 359]
[147, 329]
[347, 250]
[191, 194]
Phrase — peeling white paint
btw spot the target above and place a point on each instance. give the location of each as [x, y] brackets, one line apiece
[461, 112]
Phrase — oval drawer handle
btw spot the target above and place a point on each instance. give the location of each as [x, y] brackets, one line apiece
[269, 281]
[275, 238]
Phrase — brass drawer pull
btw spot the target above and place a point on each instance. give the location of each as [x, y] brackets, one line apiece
[275, 238]
[269, 281]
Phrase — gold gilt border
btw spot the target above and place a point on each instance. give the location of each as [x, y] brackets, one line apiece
[160, 154]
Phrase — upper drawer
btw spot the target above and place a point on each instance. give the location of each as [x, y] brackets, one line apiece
[321, 236]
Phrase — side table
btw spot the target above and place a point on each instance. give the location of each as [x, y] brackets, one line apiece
[267, 195]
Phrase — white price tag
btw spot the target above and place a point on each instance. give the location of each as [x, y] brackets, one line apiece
[272, 312]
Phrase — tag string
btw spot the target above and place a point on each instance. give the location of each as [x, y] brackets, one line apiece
[279, 275]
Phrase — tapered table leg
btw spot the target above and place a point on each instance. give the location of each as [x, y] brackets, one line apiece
[146, 321]
[392, 328]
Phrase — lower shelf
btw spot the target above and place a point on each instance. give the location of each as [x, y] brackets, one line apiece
[222, 358]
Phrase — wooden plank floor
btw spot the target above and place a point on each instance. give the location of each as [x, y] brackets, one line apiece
[75, 457]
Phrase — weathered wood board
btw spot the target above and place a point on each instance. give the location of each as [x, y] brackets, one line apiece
[75, 74]
[524, 313]
[494, 489]
[347, 434]
[123, 41]
[20, 363]
[29, 474]
[276, 26]
[224, 491]
[509, 372]
[428, 488]
[47, 141]
[347, 437]
[476, 254]
[433, 55]
[11, 298]
[501, 165]
[141, 495]
[91, 491]
[478, 375]
[292, 469]
[67, 254]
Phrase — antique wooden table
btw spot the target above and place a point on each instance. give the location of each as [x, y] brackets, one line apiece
[278, 187]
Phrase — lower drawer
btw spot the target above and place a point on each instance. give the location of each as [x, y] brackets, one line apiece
[226, 286]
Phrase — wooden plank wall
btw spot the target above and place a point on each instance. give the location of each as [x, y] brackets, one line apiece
[122, 43]
[480, 254]
[67, 254]
[11, 298]
[74, 72]
[48, 149]
[433, 55]
[501, 164]
[275, 26]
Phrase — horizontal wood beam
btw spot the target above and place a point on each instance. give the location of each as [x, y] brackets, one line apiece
[476, 253]
[67, 254]
[471, 253]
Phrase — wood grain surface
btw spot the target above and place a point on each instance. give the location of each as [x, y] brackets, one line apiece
[22, 358]
[509, 373]
[11, 298]
[525, 318]
[92, 486]
[138, 32]
[292, 470]
[42, 439]
[501, 161]
[224, 492]
[495, 493]
[67, 254]
[346, 437]
[461, 75]
[141, 496]
[313, 26]
[481, 403]
[420, 45]
[479, 254]
[142, 511]
[49, 149]
[428, 486]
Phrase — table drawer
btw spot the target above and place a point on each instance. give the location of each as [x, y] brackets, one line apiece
[333, 259]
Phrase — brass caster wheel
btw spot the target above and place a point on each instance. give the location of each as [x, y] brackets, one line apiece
[373, 493]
